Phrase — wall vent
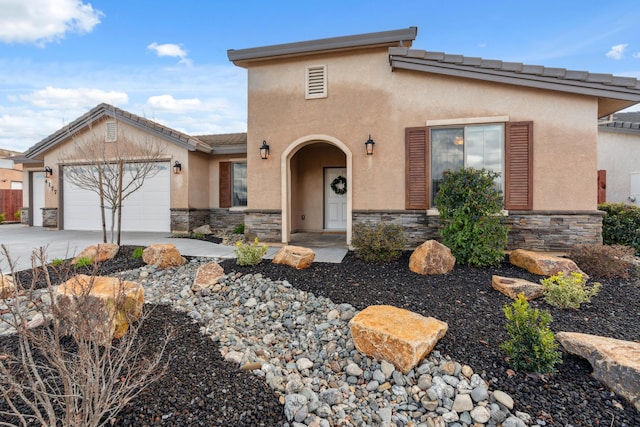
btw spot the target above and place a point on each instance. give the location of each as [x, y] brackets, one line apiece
[111, 134]
[316, 81]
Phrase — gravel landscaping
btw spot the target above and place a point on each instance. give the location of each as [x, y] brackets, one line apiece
[201, 388]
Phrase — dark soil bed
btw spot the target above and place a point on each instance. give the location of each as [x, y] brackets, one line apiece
[201, 389]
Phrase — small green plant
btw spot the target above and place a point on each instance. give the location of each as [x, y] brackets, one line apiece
[83, 262]
[603, 261]
[249, 253]
[568, 291]
[2, 216]
[199, 236]
[621, 225]
[239, 229]
[57, 262]
[531, 346]
[17, 214]
[378, 243]
[137, 253]
[470, 210]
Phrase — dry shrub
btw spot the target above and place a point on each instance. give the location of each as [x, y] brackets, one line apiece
[603, 261]
[50, 378]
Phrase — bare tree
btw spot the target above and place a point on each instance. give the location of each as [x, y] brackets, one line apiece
[112, 170]
[53, 375]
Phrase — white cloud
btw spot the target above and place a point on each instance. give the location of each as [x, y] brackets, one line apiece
[617, 51]
[171, 50]
[636, 55]
[44, 21]
[52, 97]
[168, 103]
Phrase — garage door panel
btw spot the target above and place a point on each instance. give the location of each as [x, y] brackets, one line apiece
[146, 209]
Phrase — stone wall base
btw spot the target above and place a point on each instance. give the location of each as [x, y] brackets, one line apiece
[50, 217]
[532, 230]
[24, 215]
[185, 220]
[225, 218]
[266, 225]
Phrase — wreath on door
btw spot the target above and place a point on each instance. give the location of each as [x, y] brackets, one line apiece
[339, 185]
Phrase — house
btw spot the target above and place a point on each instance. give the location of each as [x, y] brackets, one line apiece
[619, 158]
[194, 179]
[10, 171]
[369, 114]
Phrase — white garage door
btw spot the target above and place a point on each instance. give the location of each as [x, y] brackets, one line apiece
[147, 209]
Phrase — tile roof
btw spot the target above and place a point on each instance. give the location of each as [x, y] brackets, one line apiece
[226, 143]
[105, 110]
[537, 76]
[623, 122]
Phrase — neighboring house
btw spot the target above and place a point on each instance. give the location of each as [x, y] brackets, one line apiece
[196, 180]
[619, 158]
[316, 103]
[10, 171]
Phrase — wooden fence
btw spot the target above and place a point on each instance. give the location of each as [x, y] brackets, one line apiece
[10, 203]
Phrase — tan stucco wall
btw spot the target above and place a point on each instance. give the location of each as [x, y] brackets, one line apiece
[366, 97]
[619, 155]
[198, 172]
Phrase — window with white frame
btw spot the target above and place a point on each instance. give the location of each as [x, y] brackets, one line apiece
[476, 146]
[316, 81]
[239, 184]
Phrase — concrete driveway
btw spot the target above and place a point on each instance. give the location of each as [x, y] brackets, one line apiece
[21, 241]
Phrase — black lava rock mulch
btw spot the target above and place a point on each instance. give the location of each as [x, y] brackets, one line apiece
[465, 300]
[201, 389]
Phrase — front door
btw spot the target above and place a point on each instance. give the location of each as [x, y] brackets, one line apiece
[335, 199]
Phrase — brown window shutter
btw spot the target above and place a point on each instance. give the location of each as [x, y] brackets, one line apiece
[602, 186]
[518, 188]
[225, 184]
[416, 168]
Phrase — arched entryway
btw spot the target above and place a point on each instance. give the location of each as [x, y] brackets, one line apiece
[309, 204]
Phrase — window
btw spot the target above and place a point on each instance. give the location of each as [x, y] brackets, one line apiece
[233, 184]
[316, 82]
[506, 148]
[476, 146]
[239, 186]
[111, 132]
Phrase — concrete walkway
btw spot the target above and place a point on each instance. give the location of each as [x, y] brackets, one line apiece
[21, 241]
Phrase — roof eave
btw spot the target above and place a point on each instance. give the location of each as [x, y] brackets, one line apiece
[498, 76]
[230, 149]
[403, 38]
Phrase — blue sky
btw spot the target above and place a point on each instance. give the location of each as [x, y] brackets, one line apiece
[167, 60]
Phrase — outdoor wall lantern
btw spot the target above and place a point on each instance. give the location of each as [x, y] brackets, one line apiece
[177, 167]
[264, 150]
[368, 146]
[48, 172]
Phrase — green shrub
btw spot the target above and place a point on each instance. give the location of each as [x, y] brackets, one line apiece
[137, 253]
[17, 214]
[83, 262]
[199, 236]
[531, 346]
[2, 216]
[603, 261]
[568, 291]
[57, 262]
[471, 215]
[239, 229]
[249, 253]
[378, 243]
[621, 225]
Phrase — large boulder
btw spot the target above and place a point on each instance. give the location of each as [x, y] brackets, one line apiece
[163, 256]
[615, 362]
[396, 335]
[432, 257]
[98, 253]
[295, 256]
[7, 287]
[207, 276]
[512, 287]
[96, 307]
[543, 264]
[203, 229]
